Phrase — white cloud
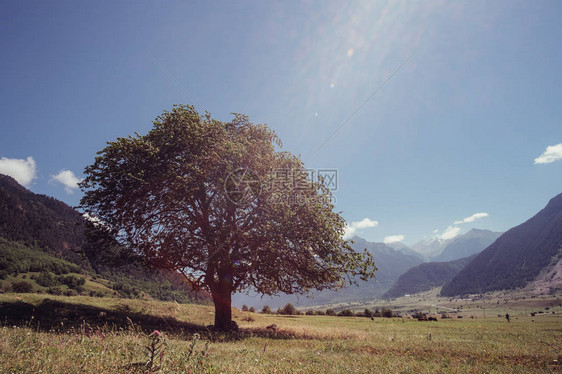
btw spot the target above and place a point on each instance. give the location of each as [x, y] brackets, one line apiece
[23, 171]
[358, 225]
[552, 153]
[67, 179]
[472, 218]
[393, 239]
[435, 231]
[450, 232]
[95, 220]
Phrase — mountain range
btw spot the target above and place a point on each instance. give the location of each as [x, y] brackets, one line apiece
[516, 257]
[426, 276]
[467, 245]
[430, 248]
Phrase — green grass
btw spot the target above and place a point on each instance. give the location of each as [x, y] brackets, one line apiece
[104, 335]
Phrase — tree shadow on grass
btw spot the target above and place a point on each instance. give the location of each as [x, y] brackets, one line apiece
[59, 317]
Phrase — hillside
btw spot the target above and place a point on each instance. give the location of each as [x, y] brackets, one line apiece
[515, 258]
[42, 221]
[466, 245]
[426, 276]
[43, 240]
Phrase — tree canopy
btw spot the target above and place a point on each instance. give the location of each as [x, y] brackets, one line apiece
[222, 205]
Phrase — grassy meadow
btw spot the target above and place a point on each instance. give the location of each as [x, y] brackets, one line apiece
[79, 334]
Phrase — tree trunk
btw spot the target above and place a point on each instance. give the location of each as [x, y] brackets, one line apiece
[222, 297]
[223, 312]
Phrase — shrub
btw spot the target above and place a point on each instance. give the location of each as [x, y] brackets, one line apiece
[330, 312]
[368, 313]
[387, 313]
[266, 310]
[320, 313]
[289, 310]
[244, 308]
[309, 312]
[46, 279]
[252, 310]
[22, 287]
[54, 291]
[345, 313]
[70, 292]
[71, 281]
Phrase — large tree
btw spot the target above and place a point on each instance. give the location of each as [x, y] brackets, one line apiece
[220, 204]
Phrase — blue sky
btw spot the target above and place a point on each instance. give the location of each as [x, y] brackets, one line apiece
[473, 96]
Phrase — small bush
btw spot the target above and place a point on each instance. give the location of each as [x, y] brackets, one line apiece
[46, 279]
[244, 308]
[345, 313]
[54, 291]
[320, 313]
[309, 312]
[252, 310]
[289, 310]
[266, 310]
[70, 292]
[71, 281]
[387, 313]
[22, 287]
[330, 312]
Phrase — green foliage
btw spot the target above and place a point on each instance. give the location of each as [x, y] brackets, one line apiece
[176, 185]
[16, 258]
[46, 279]
[289, 310]
[70, 292]
[346, 313]
[330, 312]
[52, 243]
[386, 313]
[244, 308]
[22, 287]
[266, 310]
[71, 281]
[55, 291]
[126, 290]
[252, 310]
[131, 281]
